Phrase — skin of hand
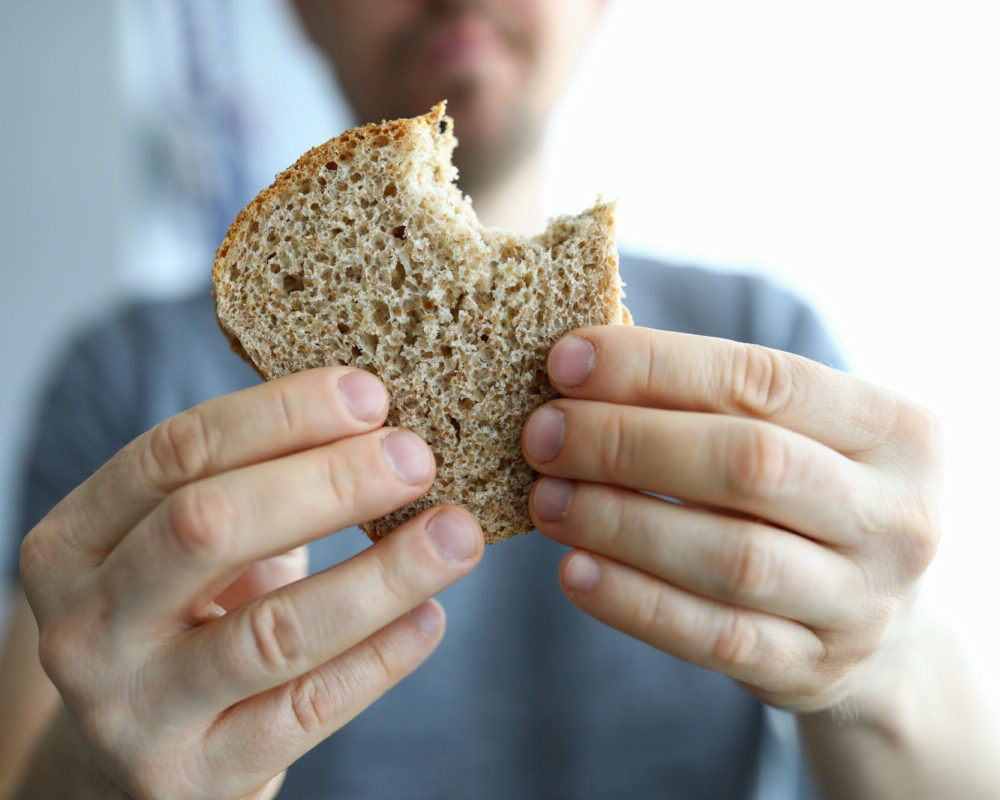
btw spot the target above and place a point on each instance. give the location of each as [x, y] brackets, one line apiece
[745, 509]
[174, 613]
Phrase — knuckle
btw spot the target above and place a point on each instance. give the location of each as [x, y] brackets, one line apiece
[283, 408]
[650, 376]
[276, 636]
[748, 567]
[395, 577]
[103, 723]
[378, 662]
[920, 430]
[650, 615]
[762, 381]
[919, 544]
[340, 480]
[617, 519]
[39, 551]
[736, 642]
[757, 461]
[59, 654]
[178, 451]
[315, 701]
[617, 447]
[200, 519]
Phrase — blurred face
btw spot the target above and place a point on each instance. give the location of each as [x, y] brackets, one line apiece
[499, 63]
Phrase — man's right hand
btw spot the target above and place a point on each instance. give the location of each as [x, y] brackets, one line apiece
[196, 659]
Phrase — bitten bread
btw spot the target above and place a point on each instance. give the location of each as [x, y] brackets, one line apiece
[364, 252]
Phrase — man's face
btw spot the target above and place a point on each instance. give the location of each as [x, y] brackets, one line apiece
[499, 63]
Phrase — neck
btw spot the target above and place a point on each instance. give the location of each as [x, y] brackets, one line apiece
[514, 199]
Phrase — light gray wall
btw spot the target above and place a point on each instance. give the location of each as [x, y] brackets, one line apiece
[63, 185]
[85, 90]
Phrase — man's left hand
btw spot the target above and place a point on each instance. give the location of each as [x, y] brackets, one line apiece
[748, 510]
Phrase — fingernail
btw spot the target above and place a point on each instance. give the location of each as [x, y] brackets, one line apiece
[408, 455]
[429, 617]
[551, 499]
[571, 361]
[452, 535]
[364, 395]
[543, 435]
[581, 573]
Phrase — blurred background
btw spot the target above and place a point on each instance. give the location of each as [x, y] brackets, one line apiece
[848, 150]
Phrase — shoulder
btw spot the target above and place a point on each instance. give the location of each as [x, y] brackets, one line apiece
[731, 305]
[149, 359]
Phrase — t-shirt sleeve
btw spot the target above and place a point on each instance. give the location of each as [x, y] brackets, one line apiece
[83, 416]
[117, 379]
[780, 319]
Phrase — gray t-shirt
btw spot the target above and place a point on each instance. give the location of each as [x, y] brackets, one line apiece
[526, 697]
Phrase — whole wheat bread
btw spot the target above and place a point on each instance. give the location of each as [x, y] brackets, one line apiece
[364, 252]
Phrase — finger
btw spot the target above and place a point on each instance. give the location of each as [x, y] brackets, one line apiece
[773, 654]
[196, 542]
[292, 631]
[726, 462]
[265, 576]
[663, 369]
[266, 733]
[739, 561]
[265, 421]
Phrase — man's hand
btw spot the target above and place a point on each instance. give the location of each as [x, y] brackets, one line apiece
[803, 505]
[174, 612]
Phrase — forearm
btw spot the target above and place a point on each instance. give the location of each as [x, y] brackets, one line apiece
[65, 766]
[923, 732]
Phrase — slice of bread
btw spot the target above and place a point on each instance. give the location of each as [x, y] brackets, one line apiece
[364, 252]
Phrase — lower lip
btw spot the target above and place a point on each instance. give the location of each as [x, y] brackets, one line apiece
[463, 43]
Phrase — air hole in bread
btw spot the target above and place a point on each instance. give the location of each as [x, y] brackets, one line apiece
[399, 231]
[457, 426]
[343, 328]
[293, 283]
[381, 140]
[331, 165]
[390, 190]
[356, 177]
[398, 275]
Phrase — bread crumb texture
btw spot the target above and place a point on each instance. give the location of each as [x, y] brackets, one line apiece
[365, 253]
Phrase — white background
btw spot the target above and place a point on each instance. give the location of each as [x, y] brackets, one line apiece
[847, 149]
[852, 151]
